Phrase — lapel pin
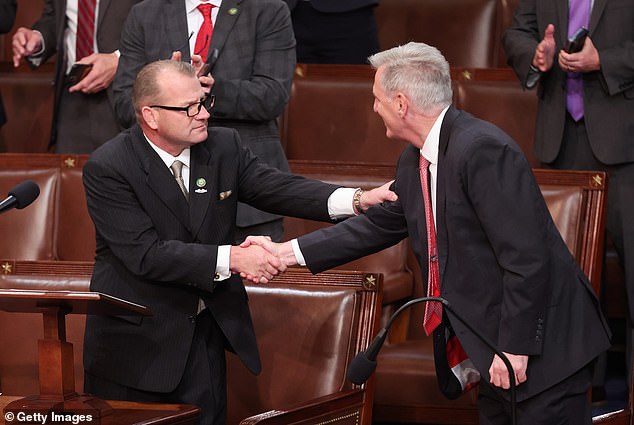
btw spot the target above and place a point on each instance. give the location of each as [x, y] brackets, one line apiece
[224, 195]
[201, 183]
[232, 11]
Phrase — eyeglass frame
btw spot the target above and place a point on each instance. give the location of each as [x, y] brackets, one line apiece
[211, 99]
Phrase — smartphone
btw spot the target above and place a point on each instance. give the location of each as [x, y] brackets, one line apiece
[206, 68]
[77, 73]
[576, 42]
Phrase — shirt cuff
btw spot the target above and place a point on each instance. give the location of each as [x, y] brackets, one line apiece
[533, 77]
[298, 252]
[223, 271]
[340, 203]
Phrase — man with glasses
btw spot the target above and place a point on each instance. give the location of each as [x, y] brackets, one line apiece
[163, 198]
[249, 48]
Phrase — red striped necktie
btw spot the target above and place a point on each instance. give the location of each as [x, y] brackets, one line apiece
[433, 310]
[84, 45]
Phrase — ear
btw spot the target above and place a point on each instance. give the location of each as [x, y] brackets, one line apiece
[402, 104]
[150, 116]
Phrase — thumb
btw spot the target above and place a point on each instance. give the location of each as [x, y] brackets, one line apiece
[550, 31]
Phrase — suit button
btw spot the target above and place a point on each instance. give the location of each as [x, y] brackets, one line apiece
[192, 319]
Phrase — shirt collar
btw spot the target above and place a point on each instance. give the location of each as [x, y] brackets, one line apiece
[191, 5]
[430, 148]
[167, 158]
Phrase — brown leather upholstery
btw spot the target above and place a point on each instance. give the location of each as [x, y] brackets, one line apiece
[465, 31]
[496, 95]
[28, 102]
[330, 117]
[577, 202]
[57, 225]
[308, 327]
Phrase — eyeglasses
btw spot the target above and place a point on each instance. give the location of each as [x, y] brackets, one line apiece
[193, 109]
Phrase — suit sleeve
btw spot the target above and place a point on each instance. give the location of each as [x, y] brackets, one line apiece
[47, 26]
[382, 226]
[128, 231]
[514, 217]
[617, 67]
[521, 39]
[263, 96]
[7, 15]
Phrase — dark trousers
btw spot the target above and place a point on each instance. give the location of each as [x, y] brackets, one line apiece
[84, 122]
[203, 383]
[345, 37]
[576, 154]
[566, 403]
[274, 229]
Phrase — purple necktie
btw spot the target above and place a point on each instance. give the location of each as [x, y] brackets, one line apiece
[578, 16]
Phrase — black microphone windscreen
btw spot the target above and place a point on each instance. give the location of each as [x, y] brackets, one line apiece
[360, 368]
[25, 193]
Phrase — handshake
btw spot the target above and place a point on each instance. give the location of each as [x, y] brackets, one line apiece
[259, 259]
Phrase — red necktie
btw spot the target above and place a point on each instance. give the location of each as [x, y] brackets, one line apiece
[85, 28]
[204, 33]
[433, 310]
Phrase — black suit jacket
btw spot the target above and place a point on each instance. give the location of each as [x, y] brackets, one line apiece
[8, 9]
[608, 93]
[155, 249]
[52, 26]
[253, 72]
[503, 264]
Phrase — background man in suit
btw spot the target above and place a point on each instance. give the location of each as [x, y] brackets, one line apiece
[252, 52]
[83, 117]
[8, 9]
[330, 31]
[596, 134]
[164, 240]
[494, 248]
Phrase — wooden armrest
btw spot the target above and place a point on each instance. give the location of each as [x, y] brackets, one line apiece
[340, 408]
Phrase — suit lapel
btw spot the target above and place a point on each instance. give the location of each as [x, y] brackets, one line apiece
[175, 21]
[103, 8]
[441, 189]
[160, 180]
[201, 185]
[595, 15]
[228, 15]
[562, 26]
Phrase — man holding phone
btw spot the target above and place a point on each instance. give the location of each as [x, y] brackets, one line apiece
[85, 35]
[585, 117]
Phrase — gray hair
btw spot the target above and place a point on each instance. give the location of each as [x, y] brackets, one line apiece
[419, 71]
[146, 87]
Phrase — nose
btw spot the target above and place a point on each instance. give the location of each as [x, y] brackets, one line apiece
[203, 114]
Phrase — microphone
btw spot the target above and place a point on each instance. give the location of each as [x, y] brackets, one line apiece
[364, 363]
[20, 196]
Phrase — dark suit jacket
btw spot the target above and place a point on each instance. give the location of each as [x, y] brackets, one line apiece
[155, 249]
[335, 6]
[52, 25]
[7, 17]
[503, 264]
[253, 72]
[608, 93]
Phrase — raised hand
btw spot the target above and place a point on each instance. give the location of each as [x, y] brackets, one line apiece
[545, 51]
[206, 80]
[255, 263]
[377, 195]
[25, 42]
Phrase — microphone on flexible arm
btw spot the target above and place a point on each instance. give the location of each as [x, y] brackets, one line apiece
[364, 363]
[20, 196]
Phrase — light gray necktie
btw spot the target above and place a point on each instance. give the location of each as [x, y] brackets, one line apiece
[177, 168]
